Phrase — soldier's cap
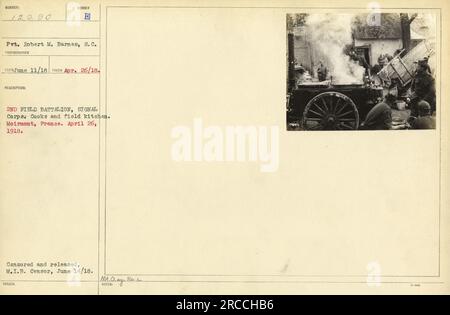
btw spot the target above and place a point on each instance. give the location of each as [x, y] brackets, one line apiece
[423, 61]
[423, 105]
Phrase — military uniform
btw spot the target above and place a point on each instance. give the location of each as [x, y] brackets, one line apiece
[423, 86]
[322, 73]
[425, 122]
[379, 118]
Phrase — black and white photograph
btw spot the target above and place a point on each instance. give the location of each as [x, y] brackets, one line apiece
[367, 71]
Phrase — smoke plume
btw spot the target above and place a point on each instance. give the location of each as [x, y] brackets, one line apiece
[329, 34]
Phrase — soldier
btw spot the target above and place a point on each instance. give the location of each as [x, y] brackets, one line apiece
[423, 87]
[426, 65]
[425, 120]
[361, 60]
[380, 116]
[322, 72]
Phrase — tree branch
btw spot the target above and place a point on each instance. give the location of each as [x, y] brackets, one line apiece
[412, 18]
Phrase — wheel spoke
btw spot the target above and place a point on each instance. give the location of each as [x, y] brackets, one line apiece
[342, 108]
[316, 113]
[337, 105]
[317, 127]
[324, 104]
[330, 98]
[346, 113]
[346, 126]
[320, 108]
[313, 119]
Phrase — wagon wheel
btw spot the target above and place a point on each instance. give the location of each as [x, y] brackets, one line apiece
[330, 111]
